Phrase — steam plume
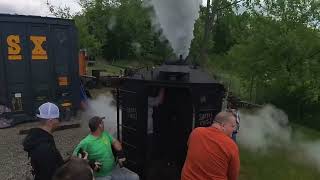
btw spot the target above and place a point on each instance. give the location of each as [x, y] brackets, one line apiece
[102, 106]
[176, 19]
[264, 128]
[268, 127]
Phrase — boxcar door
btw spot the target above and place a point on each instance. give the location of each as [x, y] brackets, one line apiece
[64, 53]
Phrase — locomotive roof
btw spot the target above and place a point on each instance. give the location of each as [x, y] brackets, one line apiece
[196, 75]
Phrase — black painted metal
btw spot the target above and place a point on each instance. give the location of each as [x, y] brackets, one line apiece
[205, 101]
[134, 123]
[35, 80]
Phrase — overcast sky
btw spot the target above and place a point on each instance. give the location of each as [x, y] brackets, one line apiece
[37, 7]
[34, 7]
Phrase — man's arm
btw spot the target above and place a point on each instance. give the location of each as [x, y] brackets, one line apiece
[156, 101]
[76, 150]
[119, 152]
[234, 166]
[117, 145]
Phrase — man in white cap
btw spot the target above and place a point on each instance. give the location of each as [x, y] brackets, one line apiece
[39, 143]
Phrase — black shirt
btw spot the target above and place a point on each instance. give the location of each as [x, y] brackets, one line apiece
[41, 148]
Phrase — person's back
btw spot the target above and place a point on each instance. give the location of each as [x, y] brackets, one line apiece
[40, 146]
[211, 154]
[44, 156]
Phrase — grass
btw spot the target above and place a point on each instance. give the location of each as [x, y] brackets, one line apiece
[304, 133]
[114, 68]
[108, 69]
[279, 163]
[275, 165]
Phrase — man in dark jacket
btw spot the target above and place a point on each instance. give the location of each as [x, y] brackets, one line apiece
[40, 145]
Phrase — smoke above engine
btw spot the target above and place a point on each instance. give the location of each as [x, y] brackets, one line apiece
[175, 19]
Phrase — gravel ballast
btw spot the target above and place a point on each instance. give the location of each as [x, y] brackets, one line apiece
[13, 159]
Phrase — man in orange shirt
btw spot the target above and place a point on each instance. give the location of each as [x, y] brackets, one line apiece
[212, 154]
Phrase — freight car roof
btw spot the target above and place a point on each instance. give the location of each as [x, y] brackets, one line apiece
[34, 19]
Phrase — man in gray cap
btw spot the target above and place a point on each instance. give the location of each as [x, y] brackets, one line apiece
[40, 146]
[98, 146]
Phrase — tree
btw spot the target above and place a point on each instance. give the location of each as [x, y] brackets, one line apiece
[59, 11]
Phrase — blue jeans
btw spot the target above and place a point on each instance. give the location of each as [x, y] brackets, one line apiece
[120, 174]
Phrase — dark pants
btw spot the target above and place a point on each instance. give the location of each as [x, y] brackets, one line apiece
[150, 147]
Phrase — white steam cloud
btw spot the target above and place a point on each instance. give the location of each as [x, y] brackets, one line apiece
[176, 19]
[269, 127]
[264, 128]
[103, 106]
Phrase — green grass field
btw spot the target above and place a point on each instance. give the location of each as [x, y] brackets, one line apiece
[275, 165]
[279, 163]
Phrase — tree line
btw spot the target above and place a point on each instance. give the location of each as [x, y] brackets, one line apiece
[266, 51]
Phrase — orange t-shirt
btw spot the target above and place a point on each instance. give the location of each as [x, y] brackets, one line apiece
[211, 156]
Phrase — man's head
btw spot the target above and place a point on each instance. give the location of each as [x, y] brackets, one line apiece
[96, 124]
[75, 169]
[49, 115]
[226, 121]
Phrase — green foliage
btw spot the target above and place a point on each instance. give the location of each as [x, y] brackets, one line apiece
[268, 50]
[60, 12]
[119, 29]
[86, 39]
[270, 53]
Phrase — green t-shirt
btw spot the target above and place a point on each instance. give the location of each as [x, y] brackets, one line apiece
[99, 149]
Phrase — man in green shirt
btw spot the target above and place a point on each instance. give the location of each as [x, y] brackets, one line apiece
[98, 144]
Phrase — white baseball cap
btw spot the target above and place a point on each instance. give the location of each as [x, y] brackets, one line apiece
[48, 111]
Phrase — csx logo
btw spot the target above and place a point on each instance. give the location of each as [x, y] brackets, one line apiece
[14, 47]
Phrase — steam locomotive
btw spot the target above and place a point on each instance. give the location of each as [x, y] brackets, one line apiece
[191, 99]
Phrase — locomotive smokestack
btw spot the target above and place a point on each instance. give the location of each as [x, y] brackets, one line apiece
[180, 57]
